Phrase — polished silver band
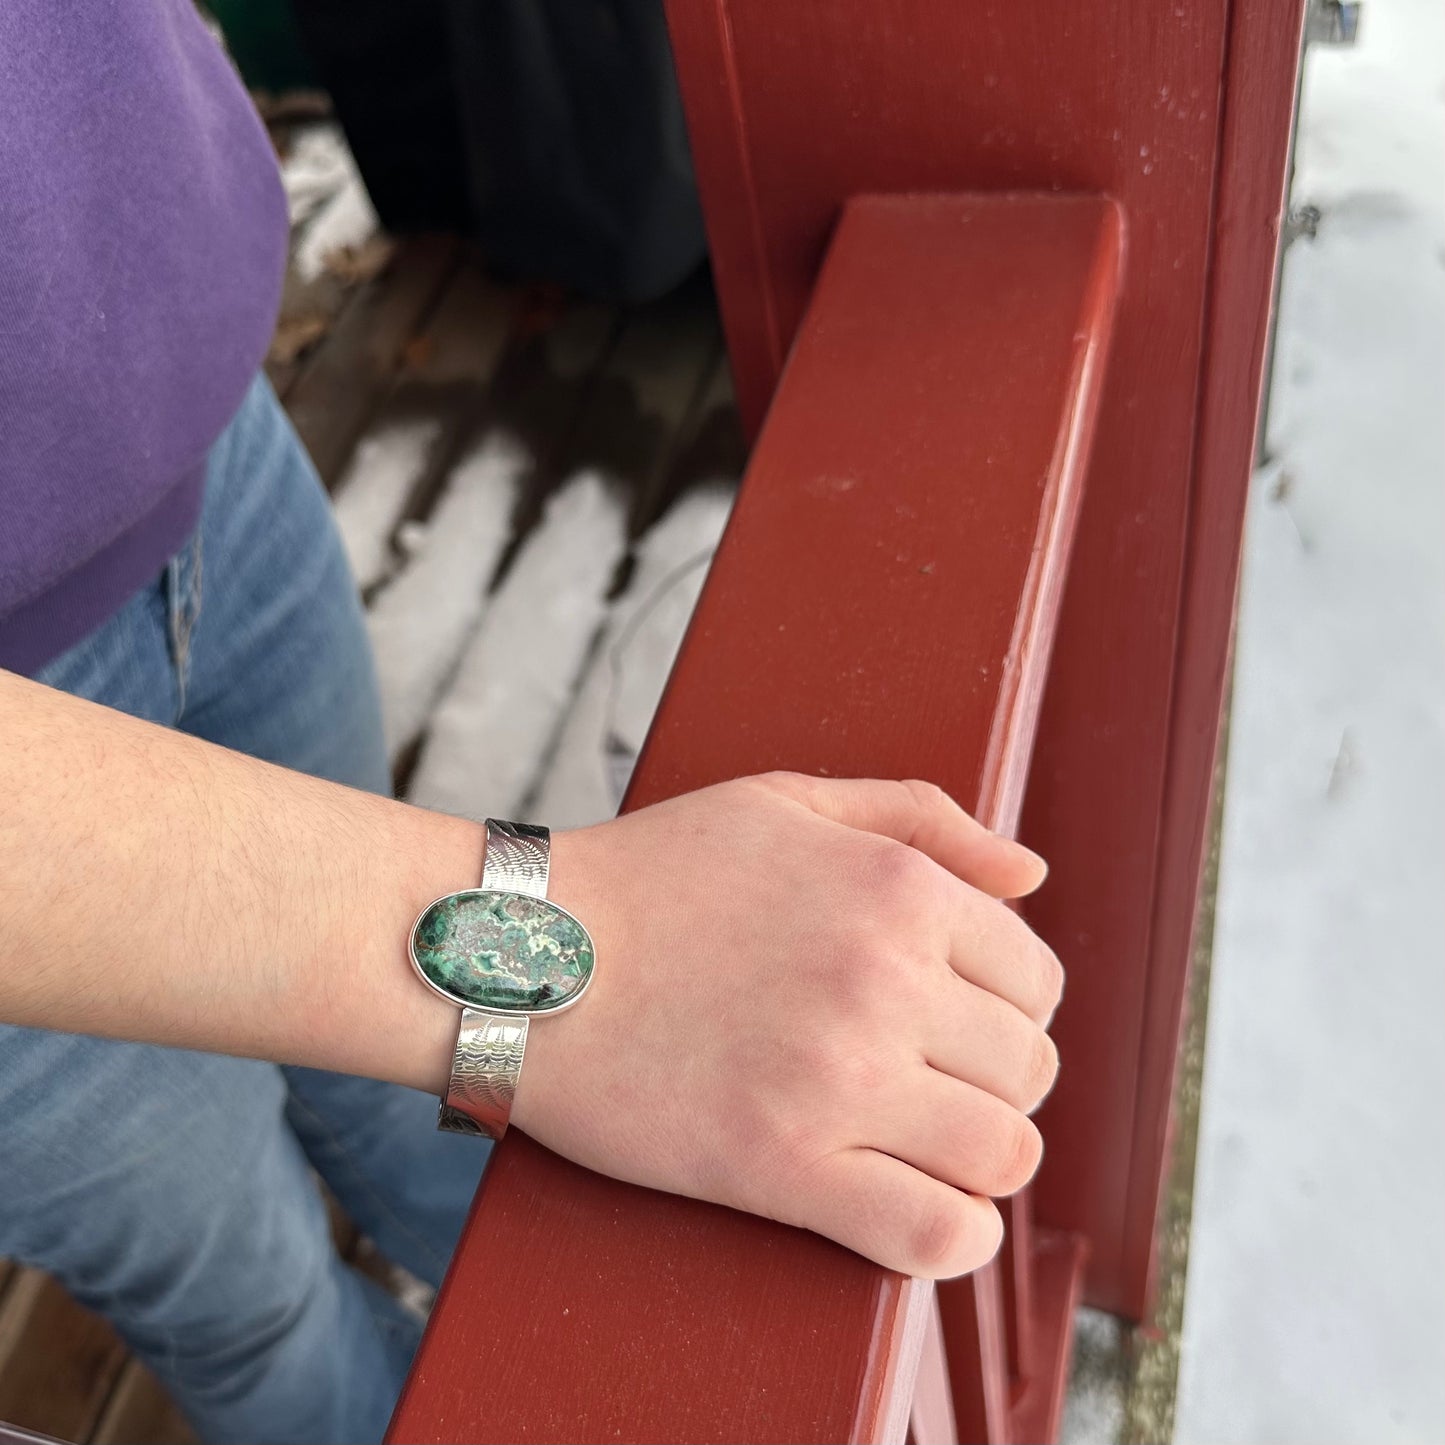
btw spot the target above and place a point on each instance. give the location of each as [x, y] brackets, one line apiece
[488, 1057]
[485, 1069]
[517, 858]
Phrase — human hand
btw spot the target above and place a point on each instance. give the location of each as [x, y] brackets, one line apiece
[809, 1004]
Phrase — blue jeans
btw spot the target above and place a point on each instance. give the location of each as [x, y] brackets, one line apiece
[172, 1191]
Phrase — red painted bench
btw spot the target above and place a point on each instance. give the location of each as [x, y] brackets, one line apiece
[922, 465]
[1035, 342]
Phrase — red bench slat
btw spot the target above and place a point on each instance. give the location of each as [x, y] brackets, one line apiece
[882, 604]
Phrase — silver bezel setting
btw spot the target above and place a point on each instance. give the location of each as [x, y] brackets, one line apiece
[501, 1013]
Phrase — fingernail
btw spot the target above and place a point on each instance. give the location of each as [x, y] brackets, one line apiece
[1035, 858]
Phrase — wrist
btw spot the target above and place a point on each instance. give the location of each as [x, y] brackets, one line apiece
[388, 1025]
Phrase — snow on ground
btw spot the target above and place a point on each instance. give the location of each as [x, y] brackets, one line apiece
[1315, 1310]
[317, 166]
[1094, 1405]
[494, 728]
[369, 498]
[421, 620]
[627, 672]
[343, 220]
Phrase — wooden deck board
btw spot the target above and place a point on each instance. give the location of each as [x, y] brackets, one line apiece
[709, 448]
[448, 371]
[139, 1412]
[645, 396]
[443, 373]
[58, 1361]
[337, 390]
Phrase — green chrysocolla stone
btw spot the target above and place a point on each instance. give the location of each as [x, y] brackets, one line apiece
[506, 951]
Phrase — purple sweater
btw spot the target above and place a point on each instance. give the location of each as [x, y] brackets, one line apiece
[142, 245]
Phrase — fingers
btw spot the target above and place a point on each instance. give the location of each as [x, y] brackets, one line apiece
[925, 817]
[959, 1134]
[988, 944]
[899, 1216]
[991, 946]
[980, 1039]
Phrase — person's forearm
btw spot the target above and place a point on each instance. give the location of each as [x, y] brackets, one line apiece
[808, 999]
[160, 888]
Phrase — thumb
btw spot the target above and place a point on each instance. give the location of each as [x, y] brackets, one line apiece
[923, 816]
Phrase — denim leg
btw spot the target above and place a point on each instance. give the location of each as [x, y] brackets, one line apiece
[171, 1190]
[165, 1189]
[187, 1214]
[278, 663]
[377, 1146]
